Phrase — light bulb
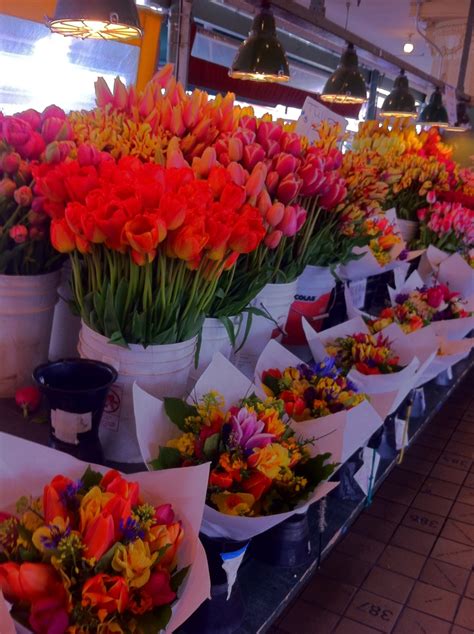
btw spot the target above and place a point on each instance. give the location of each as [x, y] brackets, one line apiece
[408, 47]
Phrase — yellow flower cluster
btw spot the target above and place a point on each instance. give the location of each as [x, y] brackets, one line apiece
[184, 443]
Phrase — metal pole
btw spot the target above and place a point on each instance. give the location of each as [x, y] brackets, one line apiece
[372, 103]
[465, 50]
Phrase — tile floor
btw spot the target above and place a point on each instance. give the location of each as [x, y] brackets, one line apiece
[406, 565]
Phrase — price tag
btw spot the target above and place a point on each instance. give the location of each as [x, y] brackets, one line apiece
[312, 114]
[231, 564]
[401, 440]
[357, 290]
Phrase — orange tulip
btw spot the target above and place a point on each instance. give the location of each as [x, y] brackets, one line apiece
[28, 581]
[105, 593]
[161, 536]
[53, 501]
[113, 482]
[62, 238]
[99, 536]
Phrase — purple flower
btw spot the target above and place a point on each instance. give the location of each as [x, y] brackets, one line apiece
[69, 496]
[55, 537]
[131, 530]
[401, 298]
[403, 254]
[246, 431]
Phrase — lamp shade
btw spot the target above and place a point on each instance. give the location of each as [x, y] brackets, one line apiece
[96, 19]
[261, 57]
[400, 102]
[346, 84]
[434, 113]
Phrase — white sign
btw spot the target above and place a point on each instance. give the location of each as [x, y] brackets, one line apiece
[357, 290]
[67, 425]
[312, 114]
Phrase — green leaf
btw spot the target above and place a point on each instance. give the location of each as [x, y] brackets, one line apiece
[138, 327]
[178, 578]
[166, 336]
[121, 300]
[90, 479]
[111, 323]
[211, 445]
[230, 329]
[178, 410]
[315, 470]
[118, 339]
[168, 458]
[106, 560]
[154, 621]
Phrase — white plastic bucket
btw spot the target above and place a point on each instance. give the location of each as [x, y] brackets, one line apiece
[66, 326]
[276, 299]
[214, 338]
[26, 316]
[408, 229]
[310, 301]
[160, 370]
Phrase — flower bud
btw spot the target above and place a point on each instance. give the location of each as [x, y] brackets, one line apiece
[285, 164]
[288, 188]
[18, 233]
[23, 196]
[53, 111]
[272, 239]
[16, 132]
[56, 129]
[11, 162]
[237, 173]
[275, 214]
[88, 155]
[32, 117]
[253, 154]
[288, 225]
[7, 188]
[271, 182]
[291, 142]
[256, 180]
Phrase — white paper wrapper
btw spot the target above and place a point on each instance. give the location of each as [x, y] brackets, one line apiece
[451, 269]
[26, 467]
[359, 423]
[412, 357]
[154, 429]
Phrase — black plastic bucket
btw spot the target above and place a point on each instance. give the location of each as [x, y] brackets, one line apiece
[287, 544]
[76, 390]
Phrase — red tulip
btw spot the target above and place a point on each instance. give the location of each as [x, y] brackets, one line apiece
[264, 202]
[435, 297]
[257, 484]
[23, 196]
[99, 536]
[269, 130]
[7, 187]
[16, 131]
[291, 142]
[233, 196]
[288, 188]
[272, 239]
[113, 482]
[285, 164]
[33, 148]
[256, 181]
[246, 135]
[105, 593]
[28, 581]
[253, 154]
[313, 178]
[275, 214]
[18, 233]
[271, 182]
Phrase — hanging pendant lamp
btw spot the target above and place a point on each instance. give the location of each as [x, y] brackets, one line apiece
[346, 84]
[96, 19]
[400, 102]
[434, 113]
[462, 119]
[261, 57]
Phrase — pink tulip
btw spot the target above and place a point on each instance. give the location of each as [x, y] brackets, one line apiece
[11, 162]
[271, 147]
[177, 124]
[288, 188]
[33, 148]
[203, 165]
[237, 173]
[291, 142]
[249, 123]
[120, 99]
[162, 77]
[132, 99]
[431, 197]
[32, 117]
[235, 149]
[256, 181]
[288, 225]
[164, 514]
[58, 151]
[275, 214]
[264, 202]
[18, 234]
[7, 188]
[166, 113]
[146, 102]
[269, 130]
[333, 196]
[313, 179]
[245, 135]
[301, 215]
[253, 154]
[23, 196]
[35, 219]
[55, 129]
[103, 95]
[285, 164]
[224, 159]
[272, 182]
[171, 92]
[88, 155]
[272, 239]
[53, 111]
[16, 132]
[174, 156]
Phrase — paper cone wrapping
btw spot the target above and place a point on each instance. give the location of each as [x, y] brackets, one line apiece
[359, 423]
[26, 467]
[413, 357]
[154, 429]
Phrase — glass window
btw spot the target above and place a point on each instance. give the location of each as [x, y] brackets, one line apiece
[40, 68]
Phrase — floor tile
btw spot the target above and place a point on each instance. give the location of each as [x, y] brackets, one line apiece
[416, 465]
[444, 575]
[396, 493]
[327, 593]
[453, 553]
[466, 496]
[469, 481]
[414, 622]
[388, 584]
[465, 615]
[361, 547]
[434, 601]
[457, 629]
[347, 569]
[454, 461]
[385, 509]
[302, 616]
[440, 487]
[463, 437]
[461, 449]
[432, 504]
[441, 472]
[374, 611]
[413, 540]
[406, 479]
[424, 453]
[348, 626]
[402, 561]
[459, 532]
[423, 521]
[462, 512]
[436, 436]
[469, 592]
[381, 530]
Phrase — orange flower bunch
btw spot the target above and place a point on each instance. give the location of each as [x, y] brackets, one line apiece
[147, 243]
[91, 556]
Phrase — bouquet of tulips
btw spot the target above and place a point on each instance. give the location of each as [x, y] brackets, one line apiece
[91, 555]
[148, 244]
[369, 354]
[258, 465]
[25, 139]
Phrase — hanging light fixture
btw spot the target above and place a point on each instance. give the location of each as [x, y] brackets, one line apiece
[346, 84]
[434, 113]
[463, 122]
[408, 47]
[261, 57]
[96, 19]
[400, 102]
